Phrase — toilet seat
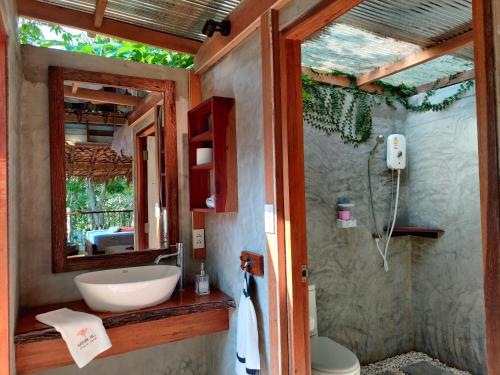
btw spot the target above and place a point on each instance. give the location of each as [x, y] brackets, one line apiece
[329, 357]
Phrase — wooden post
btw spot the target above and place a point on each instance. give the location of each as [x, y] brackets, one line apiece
[488, 133]
[198, 218]
[5, 330]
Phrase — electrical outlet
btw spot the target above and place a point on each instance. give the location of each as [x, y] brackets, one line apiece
[269, 219]
[198, 238]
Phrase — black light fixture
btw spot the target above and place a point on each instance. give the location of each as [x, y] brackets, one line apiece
[211, 26]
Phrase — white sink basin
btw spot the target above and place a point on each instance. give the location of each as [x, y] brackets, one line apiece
[128, 289]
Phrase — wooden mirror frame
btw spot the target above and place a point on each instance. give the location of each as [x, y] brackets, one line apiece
[57, 76]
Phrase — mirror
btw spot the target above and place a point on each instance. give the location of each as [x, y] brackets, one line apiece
[113, 168]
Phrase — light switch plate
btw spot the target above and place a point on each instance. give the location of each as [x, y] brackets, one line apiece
[198, 238]
[269, 218]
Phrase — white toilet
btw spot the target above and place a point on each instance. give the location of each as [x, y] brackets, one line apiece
[327, 356]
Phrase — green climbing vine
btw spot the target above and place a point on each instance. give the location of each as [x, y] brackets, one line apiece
[347, 111]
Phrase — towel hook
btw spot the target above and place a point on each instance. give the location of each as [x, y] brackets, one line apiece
[252, 263]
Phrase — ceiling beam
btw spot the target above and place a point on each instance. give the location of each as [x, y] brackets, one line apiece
[340, 81]
[430, 53]
[85, 21]
[444, 82]
[337, 80]
[100, 7]
[321, 15]
[99, 96]
[245, 19]
[144, 108]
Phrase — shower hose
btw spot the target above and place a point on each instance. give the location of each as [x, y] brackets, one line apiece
[392, 222]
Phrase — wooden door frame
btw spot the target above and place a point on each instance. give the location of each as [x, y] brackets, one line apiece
[5, 329]
[291, 161]
[142, 183]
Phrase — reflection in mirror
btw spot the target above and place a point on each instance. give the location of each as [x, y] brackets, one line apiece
[114, 191]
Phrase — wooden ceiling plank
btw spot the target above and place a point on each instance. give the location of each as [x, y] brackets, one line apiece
[144, 108]
[85, 21]
[430, 53]
[100, 7]
[245, 19]
[99, 96]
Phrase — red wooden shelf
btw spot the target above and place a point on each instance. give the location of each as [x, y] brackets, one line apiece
[213, 122]
[203, 137]
[202, 167]
[203, 209]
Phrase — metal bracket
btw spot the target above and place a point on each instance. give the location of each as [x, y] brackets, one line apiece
[305, 273]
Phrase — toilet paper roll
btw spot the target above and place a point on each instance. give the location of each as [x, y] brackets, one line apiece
[203, 155]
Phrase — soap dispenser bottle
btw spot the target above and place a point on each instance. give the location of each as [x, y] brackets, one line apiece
[202, 283]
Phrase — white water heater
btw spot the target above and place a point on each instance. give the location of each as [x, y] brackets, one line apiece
[396, 152]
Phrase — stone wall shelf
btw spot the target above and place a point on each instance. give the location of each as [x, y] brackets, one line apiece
[417, 232]
[40, 347]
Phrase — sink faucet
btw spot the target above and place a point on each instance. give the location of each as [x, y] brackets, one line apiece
[180, 260]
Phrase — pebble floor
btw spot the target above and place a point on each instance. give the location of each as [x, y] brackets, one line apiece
[393, 365]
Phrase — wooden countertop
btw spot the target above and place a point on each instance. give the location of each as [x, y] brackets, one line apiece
[40, 347]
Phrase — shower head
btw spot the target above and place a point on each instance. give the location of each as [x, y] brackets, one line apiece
[379, 140]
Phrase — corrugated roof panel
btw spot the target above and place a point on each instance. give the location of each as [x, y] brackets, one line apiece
[352, 50]
[378, 32]
[423, 22]
[178, 17]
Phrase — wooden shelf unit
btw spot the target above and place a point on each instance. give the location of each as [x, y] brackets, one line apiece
[186, 315]
[213, 124]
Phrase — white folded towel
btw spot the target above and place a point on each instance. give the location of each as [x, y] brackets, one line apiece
[84, 334]
[247, 354]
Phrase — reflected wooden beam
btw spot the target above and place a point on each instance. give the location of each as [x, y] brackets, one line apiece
[144, 108]
[99, 96]
[68, 17]
[74, 87]
[91, 119]
[100, 7]
[430, 53]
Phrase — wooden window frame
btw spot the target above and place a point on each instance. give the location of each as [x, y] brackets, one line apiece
[5, 329]
[288, 129]
[57, 76]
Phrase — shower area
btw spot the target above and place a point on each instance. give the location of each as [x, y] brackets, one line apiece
[415, 306]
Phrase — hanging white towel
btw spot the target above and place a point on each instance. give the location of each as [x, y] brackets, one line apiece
[247, 354]
[84, 334]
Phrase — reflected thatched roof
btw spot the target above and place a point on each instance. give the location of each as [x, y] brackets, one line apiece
[97, 162]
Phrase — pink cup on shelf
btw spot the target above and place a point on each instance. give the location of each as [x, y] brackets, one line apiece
[344, 215]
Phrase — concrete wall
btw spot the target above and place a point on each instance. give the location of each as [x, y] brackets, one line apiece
[358, 304]
[238, 76]
[38, 284]
[448, 301]
[9, 20]
[432, 298]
